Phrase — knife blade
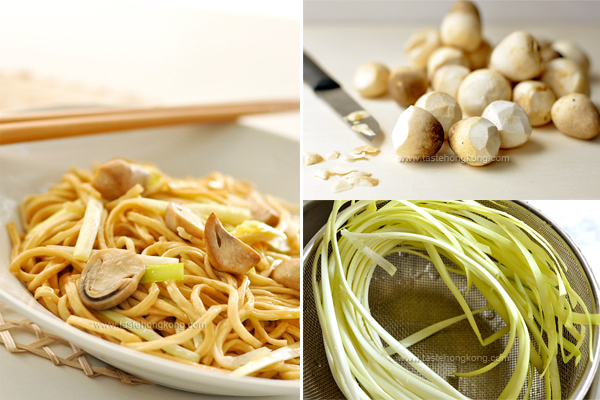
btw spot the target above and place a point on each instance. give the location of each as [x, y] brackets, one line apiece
[331, 92]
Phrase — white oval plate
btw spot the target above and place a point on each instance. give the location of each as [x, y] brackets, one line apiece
[272, 163]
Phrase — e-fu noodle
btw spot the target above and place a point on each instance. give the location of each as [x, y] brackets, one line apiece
[244, 324]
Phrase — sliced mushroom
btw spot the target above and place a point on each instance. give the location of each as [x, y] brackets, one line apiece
[115, 177]
[225, 252]
[178, 216]
[288, 273]
[261, 210]
[110, 276]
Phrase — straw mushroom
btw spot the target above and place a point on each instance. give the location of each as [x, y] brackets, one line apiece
[420, 45]
[475, 140]
[288, 273]
[511, 121]
[226, 252]
[546, 52]
[564, 76]
[417, 135]
[407, 84]
[568, 49]
[261, 210]
[442, 106]
[461, 26]
[371, 79]
[480, 88]
[480, 57]
[447, 79]
[115, 177]
[517, 57]
[575, 115]
[537, 99]
[180, 217]
[445, 55]
[109, 277]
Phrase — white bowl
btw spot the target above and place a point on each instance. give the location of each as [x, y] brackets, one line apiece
[272, 163]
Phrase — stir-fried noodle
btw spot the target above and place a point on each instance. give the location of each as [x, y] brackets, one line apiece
[242, 322]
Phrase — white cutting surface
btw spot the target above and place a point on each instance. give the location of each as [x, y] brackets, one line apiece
[550, 166]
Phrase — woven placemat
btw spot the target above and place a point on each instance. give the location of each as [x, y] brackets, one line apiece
[41, 348]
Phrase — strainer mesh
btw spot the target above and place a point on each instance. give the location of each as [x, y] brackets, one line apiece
[416, 297]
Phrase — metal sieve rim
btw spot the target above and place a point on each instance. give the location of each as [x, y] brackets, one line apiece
[590, 369]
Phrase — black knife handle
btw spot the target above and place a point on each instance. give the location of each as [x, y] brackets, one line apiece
[315, 77]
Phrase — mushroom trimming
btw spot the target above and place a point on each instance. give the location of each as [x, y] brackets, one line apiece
[371, 79]
[445, 56]
[480, 88]
[517, 57]
[407, 84]
[511, 121]
[461, 27]
[475, 141]
[537, 99]
[109, 277]
[447, 79]
[114, 178]
[420, 45]
[575, 115]
[417, 135]
[310, 158]
[442, 106]
[564, 76]
[226, 252]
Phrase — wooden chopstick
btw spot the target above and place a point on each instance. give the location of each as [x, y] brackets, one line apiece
[65, 123]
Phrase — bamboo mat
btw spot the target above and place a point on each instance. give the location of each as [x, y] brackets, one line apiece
[45, 345]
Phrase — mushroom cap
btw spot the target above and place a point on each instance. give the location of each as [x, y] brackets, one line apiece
[115, 177]
[407, 84]
[575, 115]
[178, 216]
[447, 79]
[475, 140]
[226, 252]
[371, 79]
[480, 88]
[442, 106]
[480, 57]
[517, 57]
[420, 45]
[537, 99]
[417, 135]
[570, 50]
[564, 76]
[109, 277]
[445, 55]
[461, 26]
[288, 273]
[511, 121]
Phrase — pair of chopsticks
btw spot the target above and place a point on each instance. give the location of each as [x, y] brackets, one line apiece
[25, 127]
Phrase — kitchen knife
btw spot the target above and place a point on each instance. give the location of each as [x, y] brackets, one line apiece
[326, 88]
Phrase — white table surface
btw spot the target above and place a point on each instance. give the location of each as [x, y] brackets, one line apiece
[550, 166]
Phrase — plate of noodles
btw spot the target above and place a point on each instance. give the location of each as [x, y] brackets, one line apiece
[172, 254]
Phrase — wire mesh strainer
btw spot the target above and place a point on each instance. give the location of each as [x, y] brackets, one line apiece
[416, 297]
